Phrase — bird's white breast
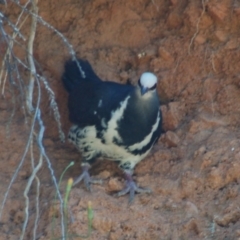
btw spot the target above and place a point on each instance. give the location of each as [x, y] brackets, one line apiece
[89, 143]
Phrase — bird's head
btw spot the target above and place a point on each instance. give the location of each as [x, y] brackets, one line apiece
[147, 83]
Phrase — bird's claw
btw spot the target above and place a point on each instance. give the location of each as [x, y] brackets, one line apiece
[87, 179]
[132, 188]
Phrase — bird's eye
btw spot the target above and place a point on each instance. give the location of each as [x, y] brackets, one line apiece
[139, 83]
[153, 87]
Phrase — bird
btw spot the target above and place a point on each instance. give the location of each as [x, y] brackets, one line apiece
[118, 122]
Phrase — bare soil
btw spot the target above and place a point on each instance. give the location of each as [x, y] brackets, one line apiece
[193, 170]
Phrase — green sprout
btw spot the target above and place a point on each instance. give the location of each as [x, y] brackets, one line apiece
[90, 214]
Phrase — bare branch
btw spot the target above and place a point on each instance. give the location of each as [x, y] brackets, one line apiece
[30, 88]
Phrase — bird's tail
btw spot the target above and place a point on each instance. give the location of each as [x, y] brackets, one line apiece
[77, 71]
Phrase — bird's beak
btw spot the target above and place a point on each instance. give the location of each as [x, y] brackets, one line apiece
[143, 90]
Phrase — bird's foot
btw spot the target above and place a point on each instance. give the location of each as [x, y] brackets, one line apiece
[131, 188]
[87, 179]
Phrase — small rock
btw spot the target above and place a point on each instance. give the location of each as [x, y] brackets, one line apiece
[206, 22]
[116, 235]
[237, 233]
[104, 174]
[171, 139]
[191, 209]
[237, 10]
[221, 35]
[189, 183]
[145, 56]
[218, 11]
[200, 151]
[24, 174]
[18, 217]
[124, 76]
[165, 55]
[102, 224]
[151, 51]
[170, 205]
[114, 185]
[228, 218]
[191, 226]
[156, 64]
[200, 39]
[174, 2]
[172, 115]
[205, 122]
[232, 44]
[211, 87]
[174, 20]
[215, 178]
[232, 192]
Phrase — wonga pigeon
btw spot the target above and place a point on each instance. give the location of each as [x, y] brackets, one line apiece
[111, 120]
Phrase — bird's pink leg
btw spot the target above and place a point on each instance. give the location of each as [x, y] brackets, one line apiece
[85, 176]
[131, 187]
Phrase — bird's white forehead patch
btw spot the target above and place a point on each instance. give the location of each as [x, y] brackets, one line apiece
[148, 80]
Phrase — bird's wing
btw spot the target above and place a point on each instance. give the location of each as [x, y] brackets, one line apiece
[90, 102]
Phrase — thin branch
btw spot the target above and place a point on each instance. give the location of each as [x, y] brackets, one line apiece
[37, 204]
[30, 88]
[64, 39]
[197, 26]
[42, 149]
[19, 165]
[29, 184]
[37, 188]
[54, 107]
[14, 27]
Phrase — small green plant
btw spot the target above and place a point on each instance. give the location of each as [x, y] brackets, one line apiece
[65, 204]
[90, 218]
[90, 214]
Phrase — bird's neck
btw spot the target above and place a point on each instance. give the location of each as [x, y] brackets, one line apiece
[147, 96]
